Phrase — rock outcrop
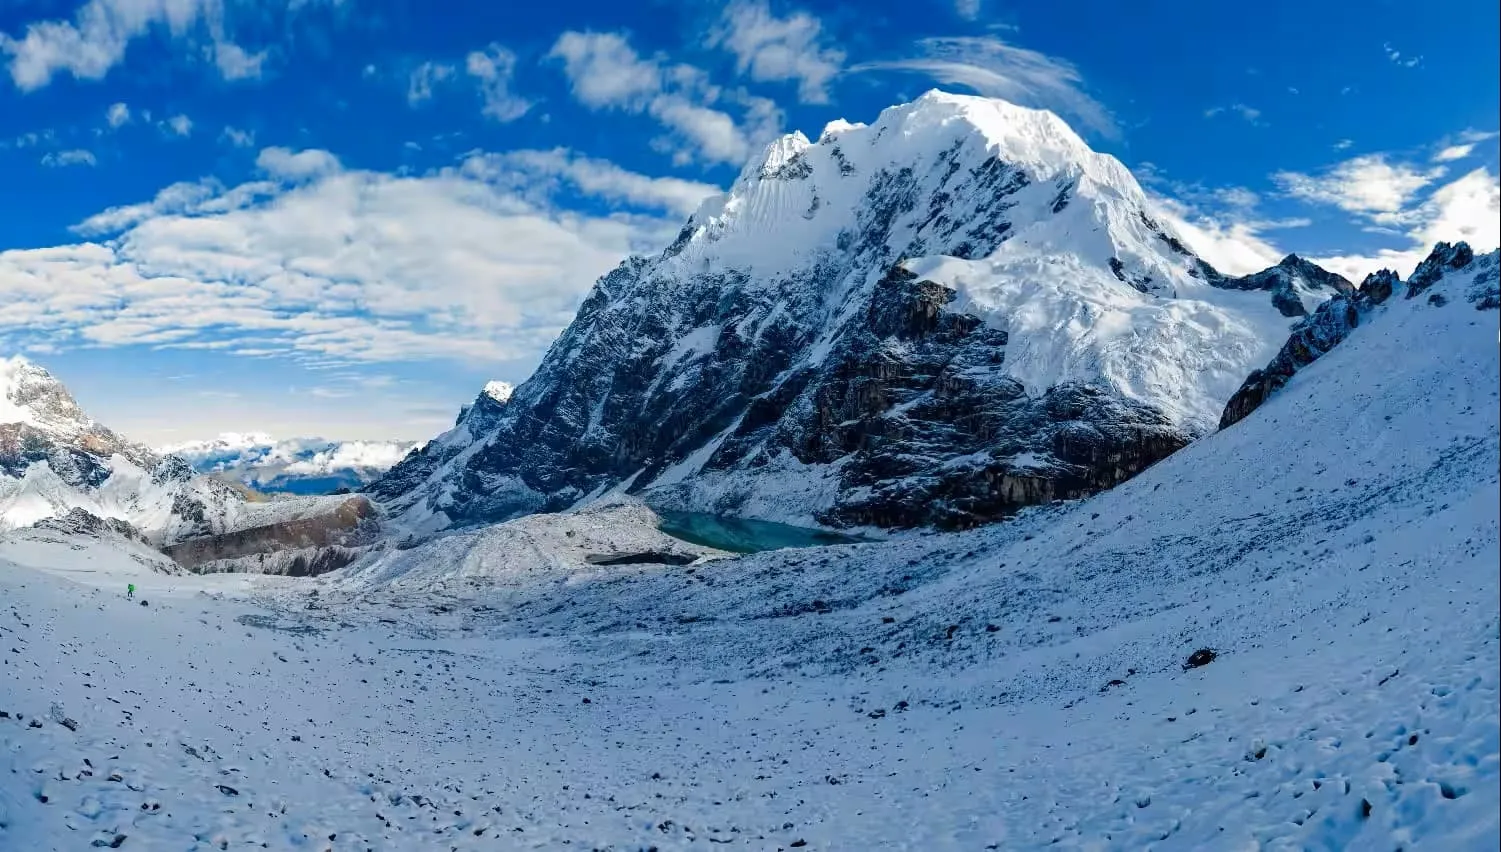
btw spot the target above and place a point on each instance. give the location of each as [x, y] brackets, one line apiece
[1335, 319]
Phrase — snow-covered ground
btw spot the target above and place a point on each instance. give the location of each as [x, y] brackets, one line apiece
[1014, 687]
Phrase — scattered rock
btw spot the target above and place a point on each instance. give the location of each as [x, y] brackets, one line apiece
[226, 790]
[1201, 657]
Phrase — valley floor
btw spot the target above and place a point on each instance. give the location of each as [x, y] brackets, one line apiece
[1016, 687]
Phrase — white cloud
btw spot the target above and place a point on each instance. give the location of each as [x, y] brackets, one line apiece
[592, 177]
[772, 49]
[493, 68]
[1404, 202]
[1343, 144]
[1467, 208]
[76, 157]
[714, 135]
[605, 72]
[1250, 114]
[424, 78]
[285, 164]
[1396, 56]
[180, 125]
[237, 137]
[1453, 152]
[994, 68]
[1368, 186]
[235, 62]
[1230, 238]
[96, 38]
[969, 10]
[117, 115]
[473, 263]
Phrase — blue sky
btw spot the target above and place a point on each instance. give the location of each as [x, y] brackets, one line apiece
[342, 218]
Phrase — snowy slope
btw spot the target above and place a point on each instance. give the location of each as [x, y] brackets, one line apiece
[935, 319]
[296, 465]
[516, 552]
[1020, 686]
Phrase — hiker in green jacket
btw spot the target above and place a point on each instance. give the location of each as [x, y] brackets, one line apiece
[130, 591]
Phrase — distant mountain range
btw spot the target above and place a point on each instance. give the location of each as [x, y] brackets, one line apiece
[301, 466]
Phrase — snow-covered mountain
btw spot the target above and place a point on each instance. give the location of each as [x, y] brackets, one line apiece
[1282, 637]
[291, 466]
[55, 458]
[937, 318]
[74, 479]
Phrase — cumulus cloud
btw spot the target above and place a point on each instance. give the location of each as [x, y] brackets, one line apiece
[179, 125]
[1368, 186]
[493, 69]
[286, 164]
[605, 72]
[995, 68]
[540, 170]
[76, 157]
[117, 115]
[1467, 208]
[333, 265]
[1408, 206]
[237, 137]
[425, 78]
[235, 62]
[95, 40]
[772, 49]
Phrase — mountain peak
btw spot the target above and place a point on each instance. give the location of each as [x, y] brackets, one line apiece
[32, 396]
[499, 391]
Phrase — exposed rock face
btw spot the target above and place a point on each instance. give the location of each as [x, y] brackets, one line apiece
[1297, 286]
[475, 423]
[1337, 318]
[933, 320]
[80, 522]
[301, 546]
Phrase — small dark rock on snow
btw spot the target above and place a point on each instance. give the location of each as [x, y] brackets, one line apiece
[1201, 657]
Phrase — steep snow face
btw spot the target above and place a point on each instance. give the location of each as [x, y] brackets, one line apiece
[296, 465]
[952, 312]
[54, 458]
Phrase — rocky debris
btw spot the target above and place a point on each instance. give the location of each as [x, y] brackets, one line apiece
[303, 546]
[646, 557]
[1201, 657]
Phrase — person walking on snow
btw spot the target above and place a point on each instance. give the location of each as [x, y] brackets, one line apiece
[130, 591]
